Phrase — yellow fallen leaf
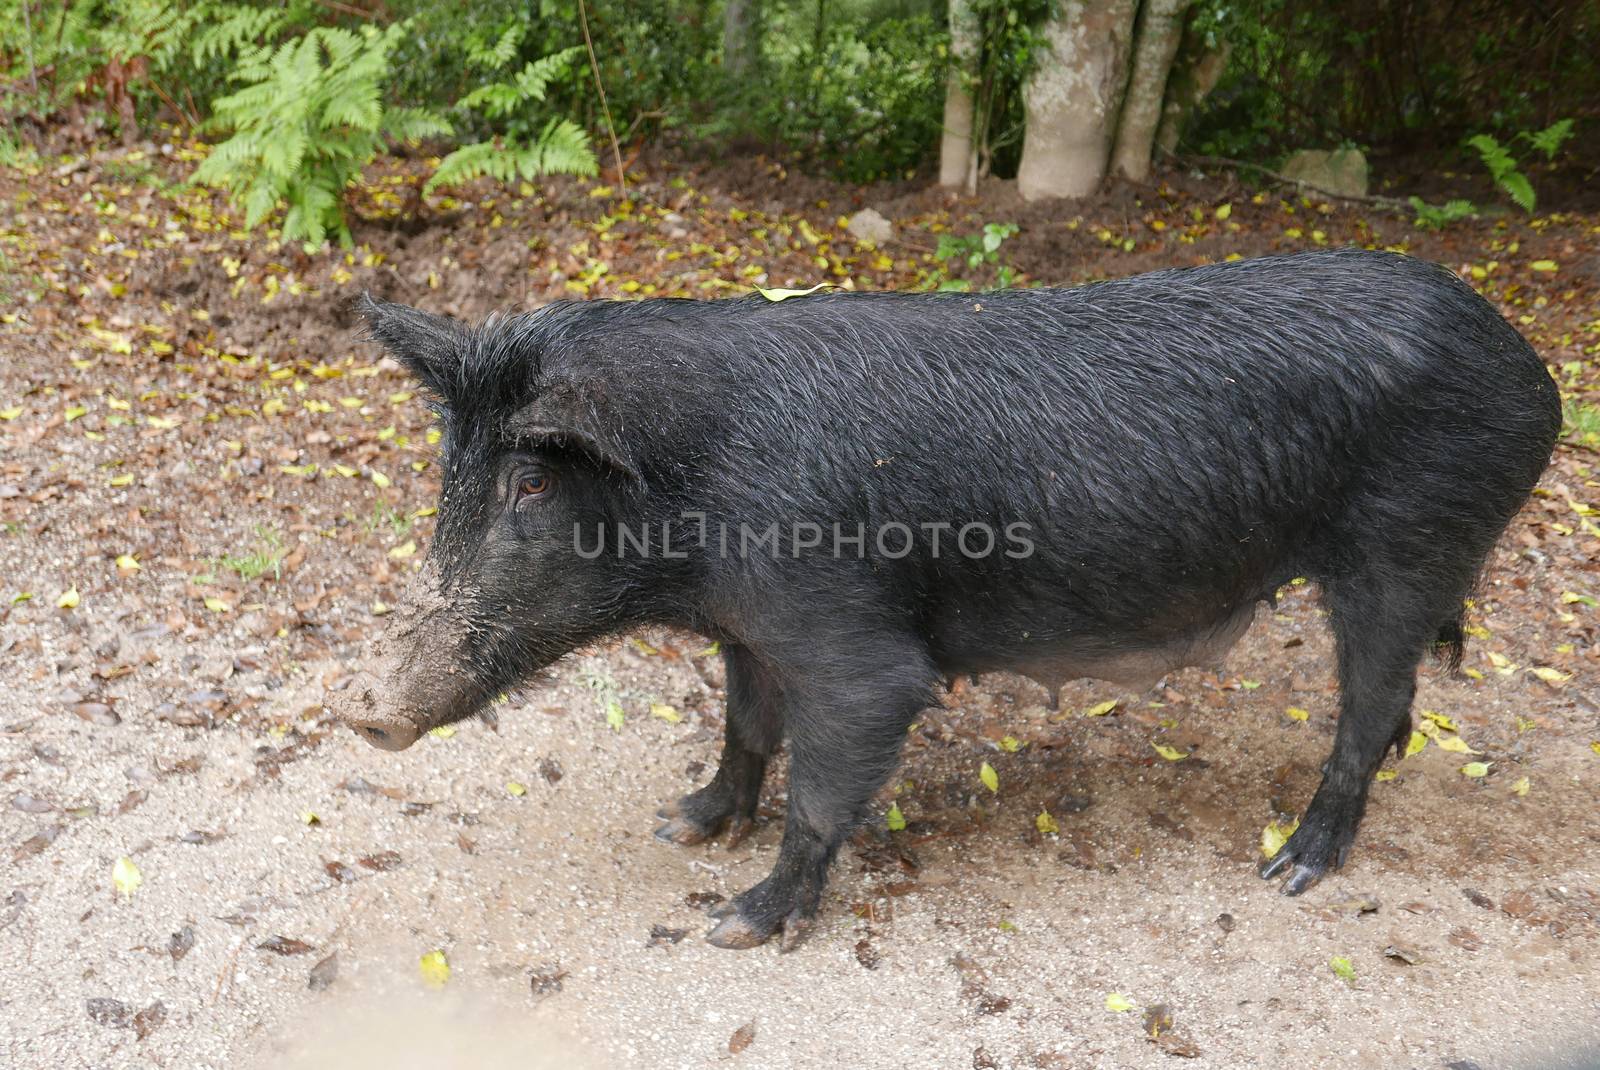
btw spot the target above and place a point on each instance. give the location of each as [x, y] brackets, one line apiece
[1475, 769]
[126, 876]
[310, 818]
[667, 713]
[435, 969]
[990, 778]
[11, 413]
[784, 295]
[1116, 1001]
[1224, 211]
[1171, 754]
[1100, 709]
[1295, 713]
[1342, 969]
[1415, 744]
[894, 818]
[1046, 824]
[1595, 746]
[444, 731]
[1521, 786]
[1544, 265]
[404, 550]
[1385, 774]
[216, 605]
[1455, 745]
[1441, 720]
[68, 599]
[1274, 836]
[514, 788]
[1549, 675]
[1010, 744]
[128, 563]
[380, 479]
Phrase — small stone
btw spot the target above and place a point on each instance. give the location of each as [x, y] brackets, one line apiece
[870, 225]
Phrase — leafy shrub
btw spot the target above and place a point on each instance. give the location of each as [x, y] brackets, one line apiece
[864, 100]
[120, 54]
[975, 251]
[1439, 216]
[310, 118]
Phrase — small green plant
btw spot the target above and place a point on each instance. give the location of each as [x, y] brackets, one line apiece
[527, 149]
[1504, 168]
[1439, 216]
[975, 251]
[310, 118]
[266, 555]
[385, 515]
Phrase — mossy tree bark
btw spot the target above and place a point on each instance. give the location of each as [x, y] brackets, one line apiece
[1074, 98]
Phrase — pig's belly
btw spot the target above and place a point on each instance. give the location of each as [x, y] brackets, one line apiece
[1134, 663]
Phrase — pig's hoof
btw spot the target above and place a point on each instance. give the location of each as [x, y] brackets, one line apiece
[684, 832]
[739, 933]
[702, 814]
[736, 933]
[739, 826]
[1316, 847]
[795, 928]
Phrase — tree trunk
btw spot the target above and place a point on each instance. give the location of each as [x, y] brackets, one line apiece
[739, 38]
[1195, 73]
[958, 156]
[1073, 98]
[1160, 32]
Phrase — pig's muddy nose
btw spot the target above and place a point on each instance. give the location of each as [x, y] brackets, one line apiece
[383, 728]
[386, 734]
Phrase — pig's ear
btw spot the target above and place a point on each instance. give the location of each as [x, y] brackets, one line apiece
[576, 415]
[429, 346]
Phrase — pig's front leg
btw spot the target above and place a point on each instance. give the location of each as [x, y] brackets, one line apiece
[846, 717]
[754, 728]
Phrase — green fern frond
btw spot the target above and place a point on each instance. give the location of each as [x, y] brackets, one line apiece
[1519, 189]
[1551, 138]
[1494, 155]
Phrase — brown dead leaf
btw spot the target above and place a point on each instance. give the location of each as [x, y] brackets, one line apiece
[284, 945]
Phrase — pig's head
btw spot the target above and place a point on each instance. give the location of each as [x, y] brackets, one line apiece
[530, 449]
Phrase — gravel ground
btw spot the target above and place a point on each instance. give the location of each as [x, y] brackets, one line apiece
[283, 880]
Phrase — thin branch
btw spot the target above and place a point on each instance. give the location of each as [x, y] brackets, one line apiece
[594, 65]
[1223, 161]
[640, 119]
[191, 121]
[346, 9]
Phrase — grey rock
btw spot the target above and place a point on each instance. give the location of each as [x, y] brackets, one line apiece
[1340, 171]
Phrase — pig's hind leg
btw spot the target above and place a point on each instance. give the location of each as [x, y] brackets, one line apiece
[754, 729]
[1381, 631]
[846, 716]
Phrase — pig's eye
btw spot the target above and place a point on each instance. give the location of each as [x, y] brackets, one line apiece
[533, 485]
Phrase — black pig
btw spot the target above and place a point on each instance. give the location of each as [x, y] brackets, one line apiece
[1146, 460]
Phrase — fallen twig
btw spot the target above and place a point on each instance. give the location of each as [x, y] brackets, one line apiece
[1224, 161]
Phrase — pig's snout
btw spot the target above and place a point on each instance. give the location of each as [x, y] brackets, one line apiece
[382, 726]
